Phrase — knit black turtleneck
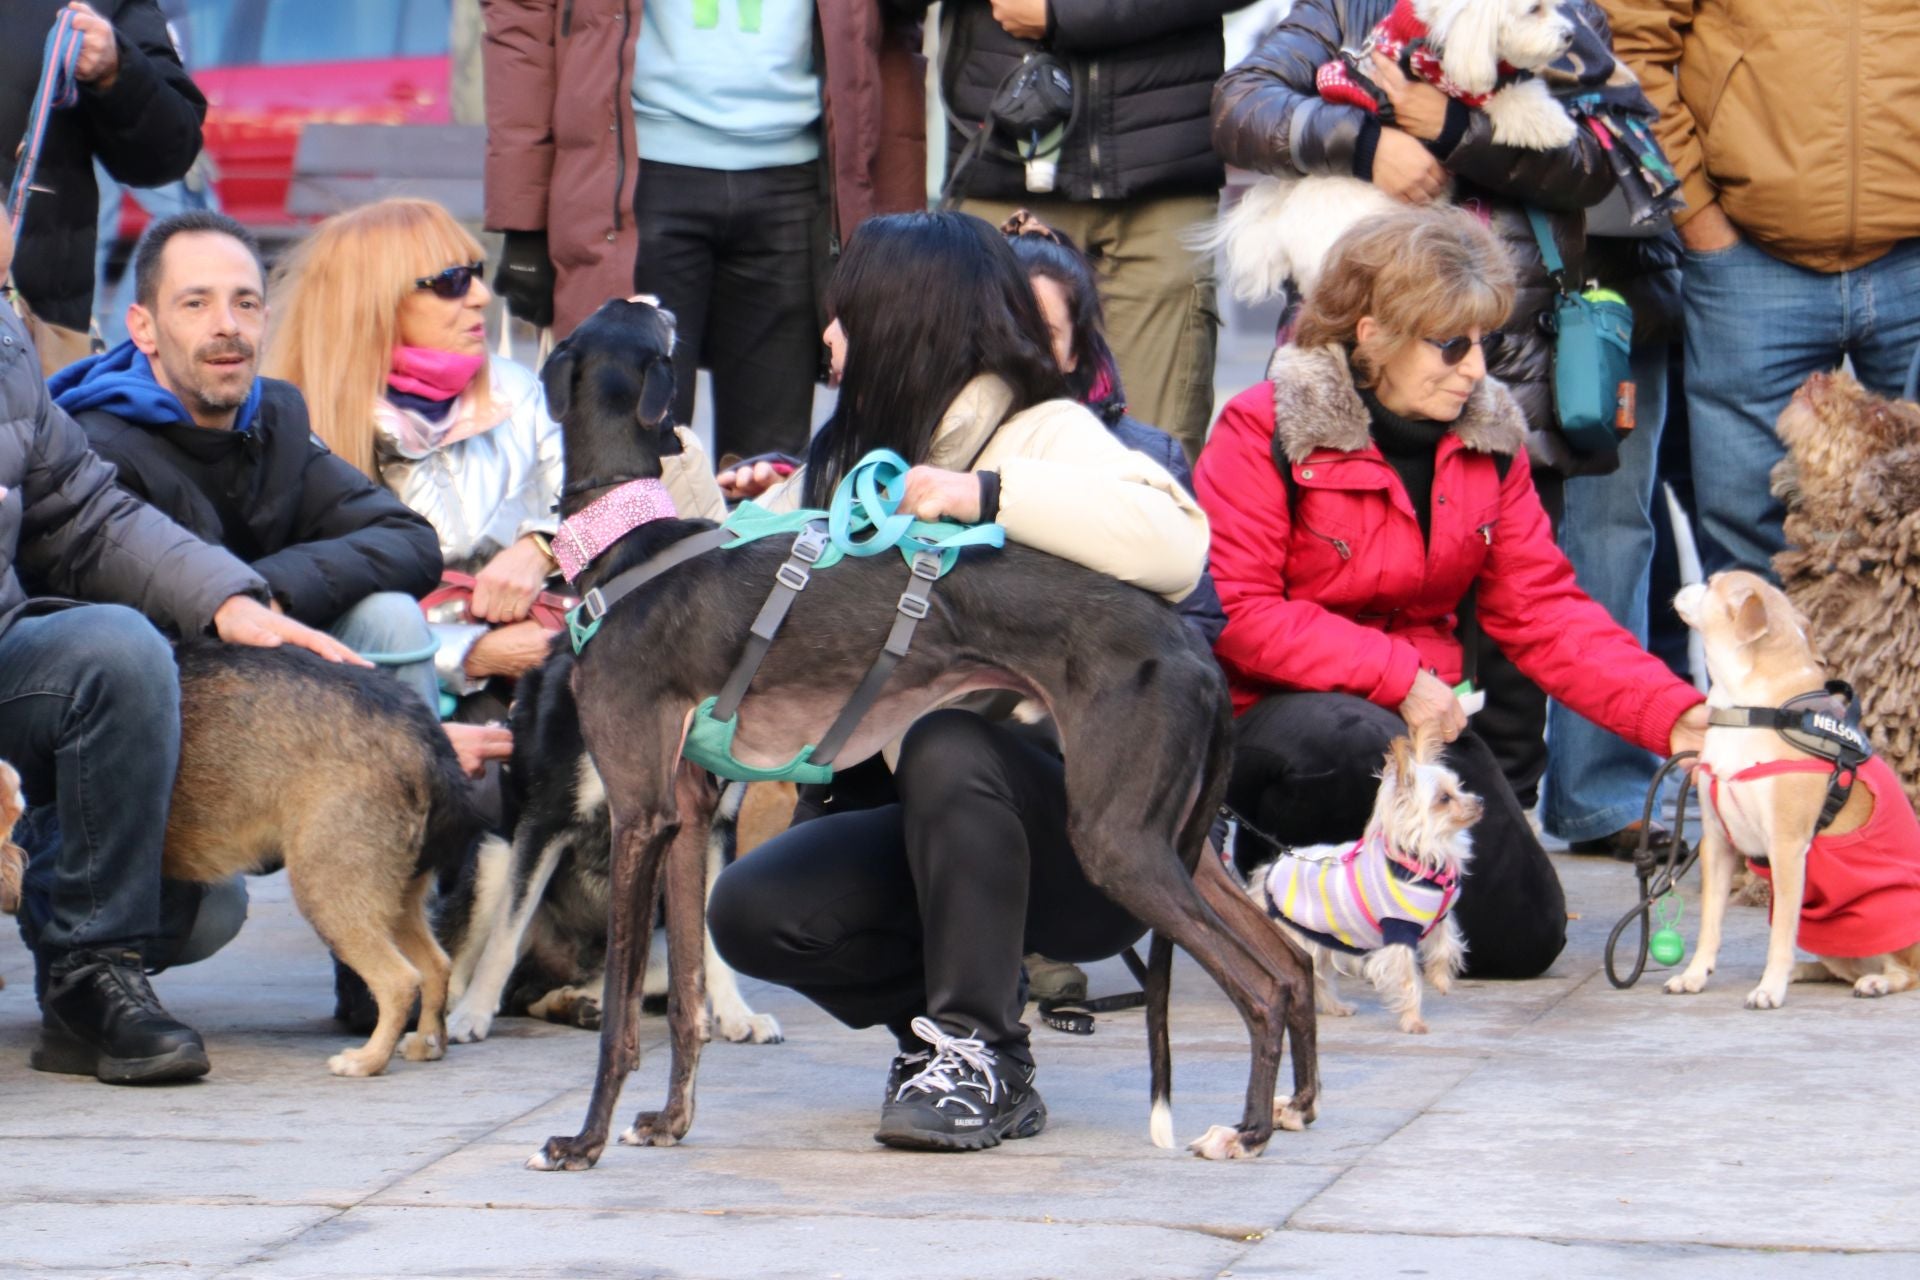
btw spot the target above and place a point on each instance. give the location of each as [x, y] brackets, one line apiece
[1409, 445]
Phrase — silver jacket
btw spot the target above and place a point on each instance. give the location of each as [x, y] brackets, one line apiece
[495, 483]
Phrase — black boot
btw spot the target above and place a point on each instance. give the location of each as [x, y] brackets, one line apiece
[100, 1018]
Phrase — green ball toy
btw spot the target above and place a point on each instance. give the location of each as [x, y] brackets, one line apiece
[1666, 946]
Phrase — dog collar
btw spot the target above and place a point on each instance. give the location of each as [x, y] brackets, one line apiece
[606, 520]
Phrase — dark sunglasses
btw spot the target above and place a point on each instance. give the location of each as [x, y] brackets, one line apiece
[1454, 350]
[453, 283]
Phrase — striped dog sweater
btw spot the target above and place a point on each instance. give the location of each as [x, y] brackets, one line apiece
[1360, 900]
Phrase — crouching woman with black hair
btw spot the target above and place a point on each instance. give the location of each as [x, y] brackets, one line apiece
[907, 900]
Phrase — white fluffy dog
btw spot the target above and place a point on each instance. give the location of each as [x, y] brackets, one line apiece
[1283, 227]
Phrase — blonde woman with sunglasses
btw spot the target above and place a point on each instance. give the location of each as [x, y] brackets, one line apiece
[380, 319]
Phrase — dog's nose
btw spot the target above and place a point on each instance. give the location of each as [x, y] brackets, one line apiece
[1687, 601]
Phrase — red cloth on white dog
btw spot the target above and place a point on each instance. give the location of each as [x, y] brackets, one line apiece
[1391, 36]
[1863, 888]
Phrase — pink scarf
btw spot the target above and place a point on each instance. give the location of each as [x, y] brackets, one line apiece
[433, 375]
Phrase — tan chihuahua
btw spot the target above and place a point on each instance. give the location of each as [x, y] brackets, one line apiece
[1850, 893]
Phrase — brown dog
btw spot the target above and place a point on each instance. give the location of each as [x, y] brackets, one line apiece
[13, 859]
[1851, 486]
[343, 777]
[1859, 879]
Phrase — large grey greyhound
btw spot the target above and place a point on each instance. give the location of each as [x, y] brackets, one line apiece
[1141, 709]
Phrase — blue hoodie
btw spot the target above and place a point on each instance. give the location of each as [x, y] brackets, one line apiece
[120, 381]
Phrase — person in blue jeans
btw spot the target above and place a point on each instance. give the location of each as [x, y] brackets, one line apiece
[1594, 791]
[1797, 157]
[90, 717]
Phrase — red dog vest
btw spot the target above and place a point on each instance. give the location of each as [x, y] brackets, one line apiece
[1863, 888]
[1391, 36]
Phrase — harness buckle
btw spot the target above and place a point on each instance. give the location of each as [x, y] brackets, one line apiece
[809, 545]
[926, 564]
[595, 604]
[915, 607]
[792, 576]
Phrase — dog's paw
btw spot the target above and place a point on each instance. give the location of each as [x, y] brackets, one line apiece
[1413, 1024]
[357, 1063]
[1686, 984]
[750, 1028]
[586, 1014]
[1767, 996]
[467, 1025]
[1872, 986]
[418, 1047]
[648, 1130]
[1294, 1119]
[1334, 1008]
[1223, 1142]
[568, 1154]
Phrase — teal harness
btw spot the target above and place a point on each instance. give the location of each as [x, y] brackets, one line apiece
[862, 520]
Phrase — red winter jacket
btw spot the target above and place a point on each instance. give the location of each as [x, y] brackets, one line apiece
[1340, 593]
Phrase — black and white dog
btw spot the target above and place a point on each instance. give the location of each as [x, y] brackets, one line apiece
[529, 929]
[1141, 709]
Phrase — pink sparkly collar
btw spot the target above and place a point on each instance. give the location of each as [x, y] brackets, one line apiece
[606, 520]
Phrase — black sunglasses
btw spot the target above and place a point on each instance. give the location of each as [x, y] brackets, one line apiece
[453, 283]
[1454, 350]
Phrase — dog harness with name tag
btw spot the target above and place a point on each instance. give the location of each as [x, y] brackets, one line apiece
[1360, 900]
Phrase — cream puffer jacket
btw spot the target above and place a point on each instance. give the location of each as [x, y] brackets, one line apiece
[498, 482]
[1067, 487]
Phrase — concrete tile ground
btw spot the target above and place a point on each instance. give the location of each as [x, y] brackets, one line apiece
[1548, 1128]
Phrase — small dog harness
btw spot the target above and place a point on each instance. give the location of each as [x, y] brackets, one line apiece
[1824, 724]
[1360, 900]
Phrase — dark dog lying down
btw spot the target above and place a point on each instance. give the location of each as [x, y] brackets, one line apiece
[342, 776]
[1140, 706]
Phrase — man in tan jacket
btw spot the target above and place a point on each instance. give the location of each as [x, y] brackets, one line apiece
[1793, 131]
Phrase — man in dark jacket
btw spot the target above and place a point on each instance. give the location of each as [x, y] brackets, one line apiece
[90, 716]
[179, 411]
[138, 114]
[1129, 170]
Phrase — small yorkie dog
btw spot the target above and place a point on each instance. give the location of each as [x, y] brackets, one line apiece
[13, 860]
[1388, 894]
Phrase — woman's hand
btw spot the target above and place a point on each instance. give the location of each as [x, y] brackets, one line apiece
[511, 651]
[476, 744]
[1431, 702]
[1406, 170]
[1689, 731]
[1418, 107]
[930, 493]
[738, 483]
[505, 590]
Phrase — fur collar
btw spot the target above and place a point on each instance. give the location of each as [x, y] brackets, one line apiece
[1315, 406]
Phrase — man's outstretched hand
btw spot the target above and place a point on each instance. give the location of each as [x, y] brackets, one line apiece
[244, 620]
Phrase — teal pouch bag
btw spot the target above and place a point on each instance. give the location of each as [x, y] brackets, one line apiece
[1593, 392]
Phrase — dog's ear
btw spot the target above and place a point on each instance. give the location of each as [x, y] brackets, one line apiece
[1402, 757]
[1427, 742]
[1467, 33]
[556, 377]
[656, 396]
[1749, 610]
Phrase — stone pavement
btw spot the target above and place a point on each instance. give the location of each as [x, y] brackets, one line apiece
[1548, 1128]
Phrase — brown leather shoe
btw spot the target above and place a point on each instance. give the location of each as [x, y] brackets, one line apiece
[1622, 844]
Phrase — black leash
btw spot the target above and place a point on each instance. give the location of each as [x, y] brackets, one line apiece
[1658, 876]
[1075, 1017]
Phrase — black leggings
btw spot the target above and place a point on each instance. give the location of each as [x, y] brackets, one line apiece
[925, 905]
[1304, 773]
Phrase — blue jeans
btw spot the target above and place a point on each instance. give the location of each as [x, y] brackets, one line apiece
[1756, 327]
[390, 623]
[1596, 783]
[90, 716]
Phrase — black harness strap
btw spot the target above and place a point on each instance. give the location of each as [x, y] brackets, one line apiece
[603, 597]
[914, 605]
[789, 581]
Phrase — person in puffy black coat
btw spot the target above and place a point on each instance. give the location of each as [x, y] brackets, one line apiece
[1269, 117]
[138, 114]
[1134, 168]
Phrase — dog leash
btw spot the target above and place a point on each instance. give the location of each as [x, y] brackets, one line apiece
[58, 89]
[1659, 883]
[1075, 1017]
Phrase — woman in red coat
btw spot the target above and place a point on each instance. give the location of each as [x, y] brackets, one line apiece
[1355, 498]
